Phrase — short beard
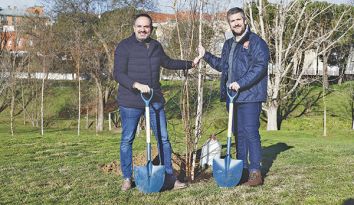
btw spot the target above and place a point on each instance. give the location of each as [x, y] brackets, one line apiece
[242, 32]
[236, 34]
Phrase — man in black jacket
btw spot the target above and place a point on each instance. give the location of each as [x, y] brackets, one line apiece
[137, 69]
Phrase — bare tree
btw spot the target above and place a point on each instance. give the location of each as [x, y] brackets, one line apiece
[289, 37]
[43, 38]
[198, 118]
[112, 28]
[188, 30]
[73, 31]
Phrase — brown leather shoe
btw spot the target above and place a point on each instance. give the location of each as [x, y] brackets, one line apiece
[179, 185]
[255, 179]
[127, 184]
[244, 177]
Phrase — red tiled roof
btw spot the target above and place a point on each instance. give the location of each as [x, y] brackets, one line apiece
[184, 16]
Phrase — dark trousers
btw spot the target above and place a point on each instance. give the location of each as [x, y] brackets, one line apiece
[246, 131]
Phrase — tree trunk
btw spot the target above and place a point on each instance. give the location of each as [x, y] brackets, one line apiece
[13, 91]
[12, 111]
[100, 117]
[23, 104]
[272, 116]
[185, 103]
[198, 119]
[325, 87]
[106, 95]
[79, 96]
[353, 114]
[325, 71]
[42, 109]
[352, 109]
[42, 100]
[109, 121]
[87, 117]
[341, 76]
[324, 112]
[186, 123]
[36, 105]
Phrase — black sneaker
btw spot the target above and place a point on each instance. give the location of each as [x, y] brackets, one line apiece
[171, 182]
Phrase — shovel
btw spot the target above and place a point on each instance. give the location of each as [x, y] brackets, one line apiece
[227, 172]
[149, 178]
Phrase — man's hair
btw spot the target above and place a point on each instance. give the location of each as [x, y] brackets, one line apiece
[235, 10]
[143, 15]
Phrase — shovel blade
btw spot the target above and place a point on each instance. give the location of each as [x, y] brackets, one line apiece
[227, 175]
[149, 180]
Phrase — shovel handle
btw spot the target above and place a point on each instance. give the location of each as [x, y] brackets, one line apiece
[231, 97]
[147, 100]
[231, 111]
[229, 126]
[147, 115]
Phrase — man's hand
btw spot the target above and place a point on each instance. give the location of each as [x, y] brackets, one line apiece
[201, 51]
[234, 86]
[141, 87]
[195, 62]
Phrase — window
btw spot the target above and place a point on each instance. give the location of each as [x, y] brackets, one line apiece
[3, 20]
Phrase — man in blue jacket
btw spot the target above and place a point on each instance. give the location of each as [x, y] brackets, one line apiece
[244, 67]
[137, 69]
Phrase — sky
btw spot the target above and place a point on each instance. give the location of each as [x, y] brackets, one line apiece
[19, 3]
[163, 5]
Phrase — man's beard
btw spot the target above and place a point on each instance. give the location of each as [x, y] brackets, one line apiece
[238, 34]
[244, 29]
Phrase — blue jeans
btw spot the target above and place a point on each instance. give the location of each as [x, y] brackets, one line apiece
[246, 131]
[130, 119]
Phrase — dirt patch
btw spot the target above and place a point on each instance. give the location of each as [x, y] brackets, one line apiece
[112, 167]
[178, 164]
[203, 175]
[138, 160]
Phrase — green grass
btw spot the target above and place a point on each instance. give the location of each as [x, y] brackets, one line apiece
[301, 166]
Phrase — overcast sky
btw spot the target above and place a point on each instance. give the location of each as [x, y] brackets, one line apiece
[164, 5]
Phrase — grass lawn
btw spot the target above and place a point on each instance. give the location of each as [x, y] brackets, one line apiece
[300, 168]
[299, 164]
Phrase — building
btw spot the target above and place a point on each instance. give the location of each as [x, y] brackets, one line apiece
[11, 19]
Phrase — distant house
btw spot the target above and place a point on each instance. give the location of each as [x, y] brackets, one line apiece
[10, 21]
[314, 65]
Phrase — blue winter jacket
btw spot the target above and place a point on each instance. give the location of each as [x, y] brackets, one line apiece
[250, 67]
[134, 62]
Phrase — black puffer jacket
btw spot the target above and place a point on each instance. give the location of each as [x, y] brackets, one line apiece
[134, 62]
